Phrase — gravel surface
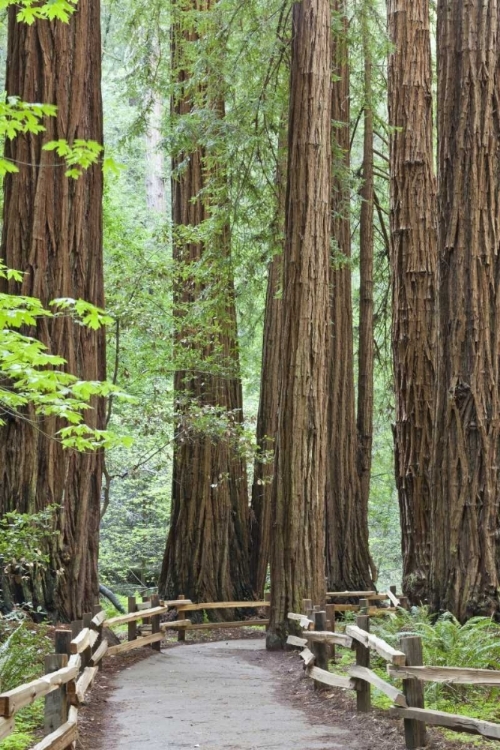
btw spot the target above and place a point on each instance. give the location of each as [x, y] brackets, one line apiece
[209, 696]
[230, 695]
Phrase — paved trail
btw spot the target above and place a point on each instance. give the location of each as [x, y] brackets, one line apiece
[213, 697]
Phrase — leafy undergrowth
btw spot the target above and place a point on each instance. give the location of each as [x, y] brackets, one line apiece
[23, 646]
[111, 611]
[445, 643]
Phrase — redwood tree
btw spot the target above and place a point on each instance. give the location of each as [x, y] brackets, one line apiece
[267, 418]
[297, 553]
[364, 418]
[52, 230]
[347, 552]
[466, 458]
[413, 261]
[206, 556]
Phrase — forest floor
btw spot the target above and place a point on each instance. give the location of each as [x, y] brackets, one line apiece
[231, 695]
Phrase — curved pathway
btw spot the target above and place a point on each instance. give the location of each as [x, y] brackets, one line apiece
[212, 696]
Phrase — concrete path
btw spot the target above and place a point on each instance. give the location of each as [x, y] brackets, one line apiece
[213, 697]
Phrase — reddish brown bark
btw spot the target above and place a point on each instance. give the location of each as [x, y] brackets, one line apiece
[206, 556]
[267, 419]
[466, 490]
[297, 553]
[52, 230]
[364, 420]
[414, 257]
[347, 552]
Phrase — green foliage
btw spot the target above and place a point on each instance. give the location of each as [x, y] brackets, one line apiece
[51, 10]
[448, 643]
[19, 117]
[22, 536]
[133, 528]
[445, 643]
[79, 156]
[23, 647]
[30, 375]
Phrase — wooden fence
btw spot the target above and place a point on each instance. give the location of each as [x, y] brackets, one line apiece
[78, 656]
[318, 643]
[79, 652]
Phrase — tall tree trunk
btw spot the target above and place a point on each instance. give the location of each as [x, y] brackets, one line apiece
[297, 554]
[364, 421]
[414, 259]
[267, 419]
[466, 459]
[52, 230]
[347, 552]
[206, 556]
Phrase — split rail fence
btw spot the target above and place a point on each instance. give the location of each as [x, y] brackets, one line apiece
[318, 643]
[79, 653]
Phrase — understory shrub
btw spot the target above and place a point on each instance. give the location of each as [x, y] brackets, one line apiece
[446, 643]
[23, 647]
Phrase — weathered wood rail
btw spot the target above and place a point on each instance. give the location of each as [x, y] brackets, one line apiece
[405, 665]
[69, 674]
[80, 651]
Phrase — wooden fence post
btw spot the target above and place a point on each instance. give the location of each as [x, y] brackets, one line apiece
[146, 620]
[56, 703]
[320, 650]
[403, 602]
[87, 654]
[96, 609]
[155, 622]
[267, 596]
[307, 608]
[181, 633]
[330, 625]
[364, 606]
[363, 690]
[415, 731]
[132, 626]
[76, 628]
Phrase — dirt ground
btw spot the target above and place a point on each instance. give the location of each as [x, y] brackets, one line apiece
[230, 694]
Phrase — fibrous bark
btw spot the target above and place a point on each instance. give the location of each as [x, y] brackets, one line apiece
[347, 552]
[364, 419]
[206, 556]
[413, 260]
[52, 230]
[466, 458]
[297, 553]
[267, 419]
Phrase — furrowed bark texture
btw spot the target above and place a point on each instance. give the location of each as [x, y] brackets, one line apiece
[267, 419]
[414, 267]
[52, 230]
[465, 503]
[347, 552]
[206, 556]
[364, 420]
[297, 554]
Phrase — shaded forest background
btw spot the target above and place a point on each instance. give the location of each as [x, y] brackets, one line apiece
[138, 270]
[298, 250]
